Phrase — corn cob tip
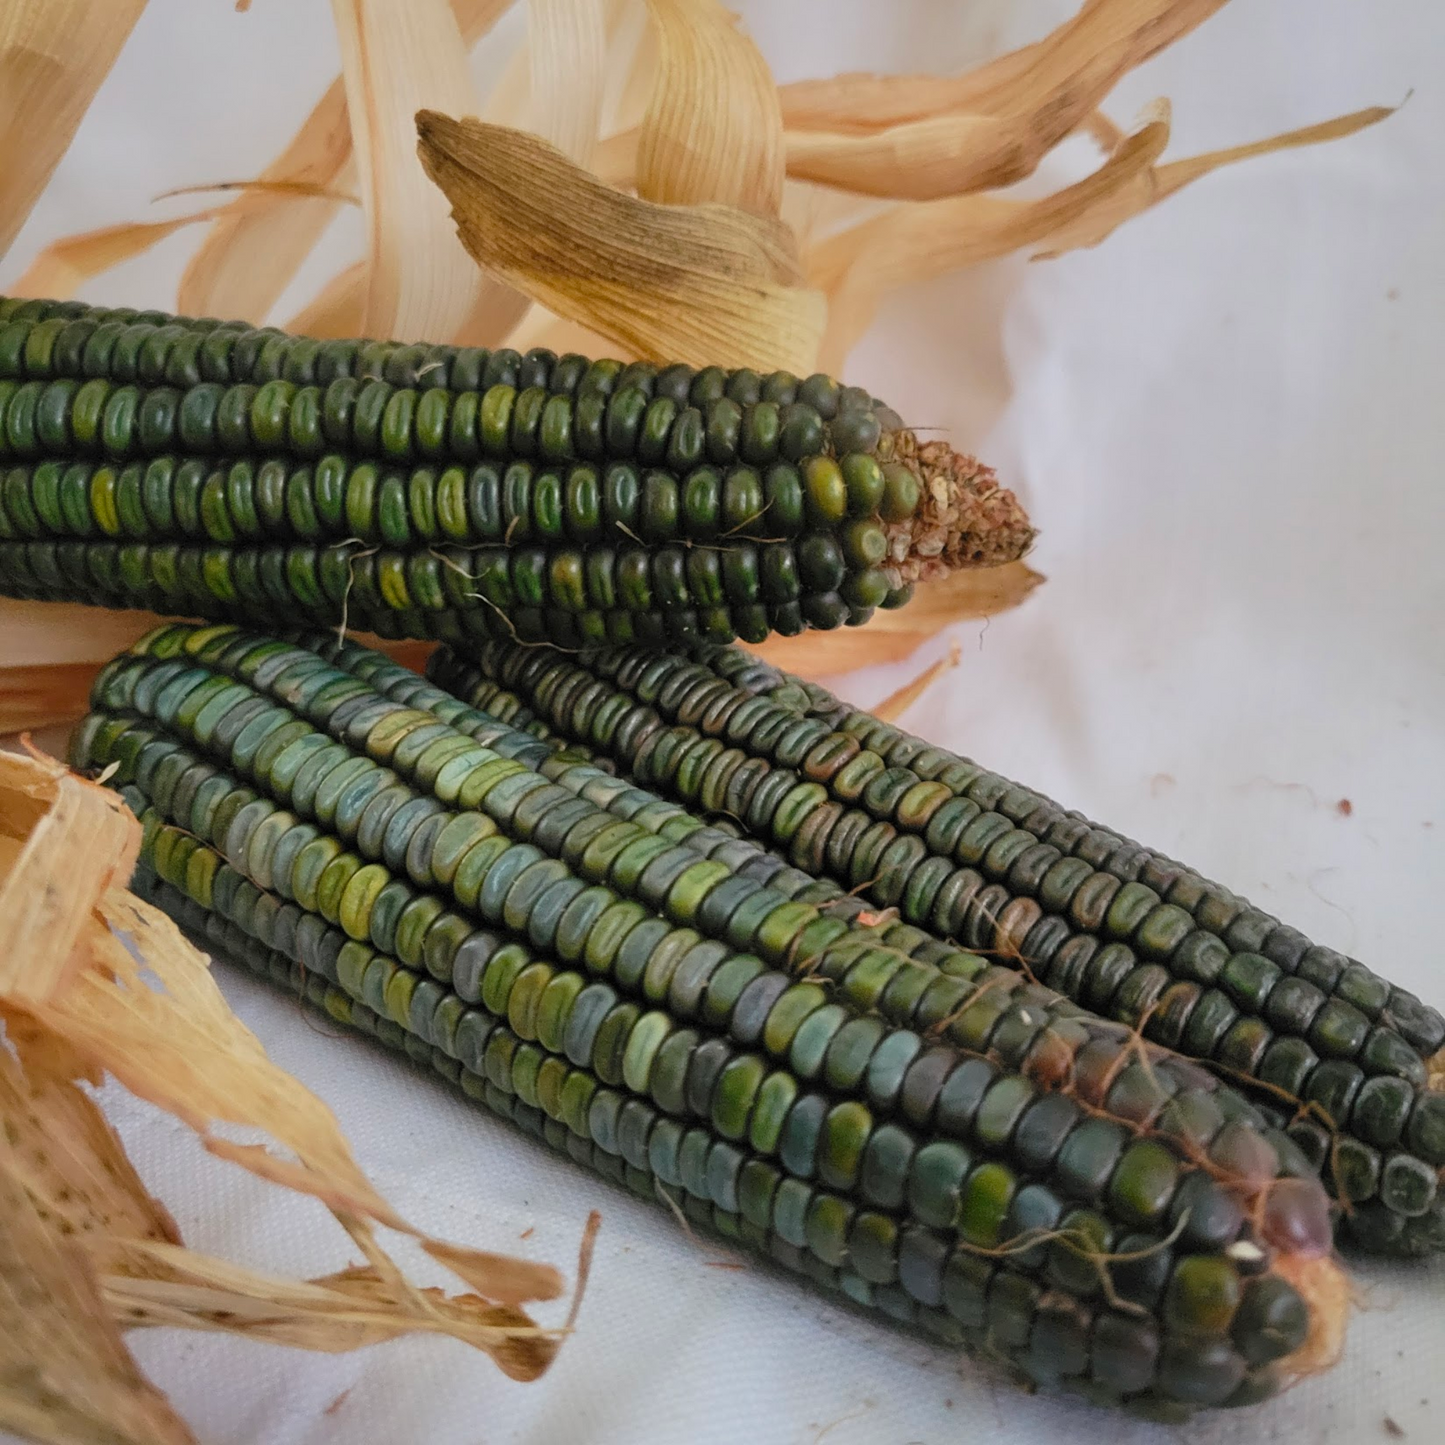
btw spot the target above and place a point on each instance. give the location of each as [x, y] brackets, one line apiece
[963, 518]
[1435, 1071]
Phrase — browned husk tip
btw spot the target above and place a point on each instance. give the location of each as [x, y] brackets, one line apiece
[965, 519]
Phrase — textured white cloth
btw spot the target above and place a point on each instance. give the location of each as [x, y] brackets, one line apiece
[1227, 422]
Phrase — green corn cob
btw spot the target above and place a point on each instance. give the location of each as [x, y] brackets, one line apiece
[670, 996]
[210, 469]
[987, 863]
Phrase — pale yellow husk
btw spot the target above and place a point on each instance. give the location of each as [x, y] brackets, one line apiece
[700, 284]
[54, 54]
[713, 129]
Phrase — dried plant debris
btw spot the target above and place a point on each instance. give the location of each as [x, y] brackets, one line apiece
[97, 982]
[891, 635]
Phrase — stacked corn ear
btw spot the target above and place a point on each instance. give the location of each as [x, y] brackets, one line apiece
[895, 1117]
[1336, 1054]
[210, 469]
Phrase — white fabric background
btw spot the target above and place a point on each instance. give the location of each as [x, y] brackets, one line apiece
[1228, 423]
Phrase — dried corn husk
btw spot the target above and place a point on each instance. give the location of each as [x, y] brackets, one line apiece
[975, 593]
[714, 128]
[94, 981]
[53, 56]
[703, 283]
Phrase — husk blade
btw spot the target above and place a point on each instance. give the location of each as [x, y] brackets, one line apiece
[704, 284]
[713, 130]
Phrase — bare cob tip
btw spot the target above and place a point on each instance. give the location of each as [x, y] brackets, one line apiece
[963, 518]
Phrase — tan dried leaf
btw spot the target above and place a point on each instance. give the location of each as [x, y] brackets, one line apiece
[365, 1305]
[917, 241]
[64, 266]
[41, 696]
[77, 842]
[632, 62]
[44, 632]
[506, 1280]
[161, 1027]
[251, 253]
[997, 132]
[64, 1152]
[336, 311]
[861, 101]
[54, 54]
[704, 284]
[893, 707]
[180, 1046]
[713, 130]
[396, 60]
[541, 328]
[66, 1377]
[553, 85]
[891, 636]
[569, 60]
[1162, 181]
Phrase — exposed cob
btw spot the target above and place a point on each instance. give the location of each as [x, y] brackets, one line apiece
[225, 471]
[925, 1127]
[1340, 1055]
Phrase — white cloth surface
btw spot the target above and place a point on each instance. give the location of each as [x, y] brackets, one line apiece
[1227, 422]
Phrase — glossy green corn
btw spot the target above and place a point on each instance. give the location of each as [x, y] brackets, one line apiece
[1340, 1053]
[866, 1103]
[440, 492]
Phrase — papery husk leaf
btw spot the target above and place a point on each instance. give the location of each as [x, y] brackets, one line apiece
[897, 703]
[54, 54]
[64, 1152]
[553, 86]
[997, 135]
[920, 240]
[568, 73]
[66, 1377]
[70, 830]
[348, 1310]
[337, 311]
[859, 101]
[713, 130]
[615, 159]
[42, 695]
[634, 63]
[396, 60]
[812, 212]
[505, 1280]
[181, 1047]
[251, 254]
[541, 328]
[702, 284]
[64, 266]
[890, 636]
[1162, 181]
